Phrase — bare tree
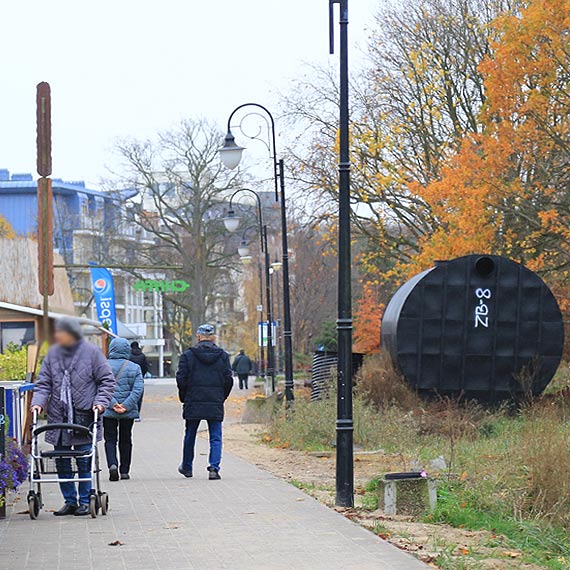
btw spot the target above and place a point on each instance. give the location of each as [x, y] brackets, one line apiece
[182, 189]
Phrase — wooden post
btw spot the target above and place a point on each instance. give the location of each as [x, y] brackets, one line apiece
[45, 200]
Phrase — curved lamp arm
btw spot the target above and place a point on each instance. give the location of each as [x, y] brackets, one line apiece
[229, 141]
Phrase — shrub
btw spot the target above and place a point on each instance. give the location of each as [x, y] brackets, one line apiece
[13, 363]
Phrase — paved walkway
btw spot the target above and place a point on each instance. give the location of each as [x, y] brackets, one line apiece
[247, 521]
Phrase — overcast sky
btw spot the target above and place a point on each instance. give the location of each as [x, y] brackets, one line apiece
[132, 67]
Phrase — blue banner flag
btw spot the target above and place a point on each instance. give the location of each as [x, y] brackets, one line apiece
[104, 294]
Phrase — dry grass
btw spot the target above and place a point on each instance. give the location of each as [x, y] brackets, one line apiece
[380, 384]
[544, 455]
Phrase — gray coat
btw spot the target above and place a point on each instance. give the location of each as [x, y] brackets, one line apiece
[92, 383]
[129, 388]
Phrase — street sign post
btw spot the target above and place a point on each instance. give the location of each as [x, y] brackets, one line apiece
[263, 334]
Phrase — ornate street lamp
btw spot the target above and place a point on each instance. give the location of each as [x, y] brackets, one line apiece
[231, 221]
[231, 155]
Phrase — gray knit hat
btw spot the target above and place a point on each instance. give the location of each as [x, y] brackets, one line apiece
[69, 325]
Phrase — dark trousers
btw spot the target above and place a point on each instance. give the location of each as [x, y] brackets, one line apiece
[65, 471]
[215, 432]
[243, 381]
[118, 432]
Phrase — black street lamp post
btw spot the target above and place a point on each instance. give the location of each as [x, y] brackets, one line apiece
[231, 221]
[344, 425]
[231, 155]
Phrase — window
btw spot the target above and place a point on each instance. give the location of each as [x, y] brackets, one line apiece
[19, 333]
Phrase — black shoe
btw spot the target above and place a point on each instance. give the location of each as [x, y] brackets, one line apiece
[82, 511]
[66, 510]
[113, 473]
[125, 476]
[184, 472]
[214, 474]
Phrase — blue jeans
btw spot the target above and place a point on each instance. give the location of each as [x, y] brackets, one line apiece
[65, 471]
[215, 431]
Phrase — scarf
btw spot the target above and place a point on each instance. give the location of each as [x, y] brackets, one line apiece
[65, 393]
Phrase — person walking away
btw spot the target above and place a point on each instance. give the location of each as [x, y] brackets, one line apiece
[74, 380]
[242, 366]
[139, 357]
[204, 379]
[124, 409]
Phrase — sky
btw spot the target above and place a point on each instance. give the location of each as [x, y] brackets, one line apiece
[130, 68]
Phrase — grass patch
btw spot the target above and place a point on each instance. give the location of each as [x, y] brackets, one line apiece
[506, 471]
[542, 543]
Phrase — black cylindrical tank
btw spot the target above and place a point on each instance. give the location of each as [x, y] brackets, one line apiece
[480, 326]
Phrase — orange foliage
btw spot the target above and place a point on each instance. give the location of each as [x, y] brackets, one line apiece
[367, 319]
[501, 192]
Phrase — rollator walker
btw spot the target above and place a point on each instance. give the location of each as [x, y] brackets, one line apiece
[43, 466]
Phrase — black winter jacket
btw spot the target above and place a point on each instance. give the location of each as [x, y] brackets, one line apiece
[139, 357]
[204, 380]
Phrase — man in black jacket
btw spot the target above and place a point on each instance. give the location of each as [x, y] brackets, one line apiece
[204, 380]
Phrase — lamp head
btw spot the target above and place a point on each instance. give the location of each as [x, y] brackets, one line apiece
[243, 249]
[277, 265]
[231, 221]
[230, 152]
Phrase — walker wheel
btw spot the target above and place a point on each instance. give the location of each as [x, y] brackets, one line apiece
[104, 499]
[93, 506]
[33, 505]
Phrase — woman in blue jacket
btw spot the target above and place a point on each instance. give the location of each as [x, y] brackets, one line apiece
[119, 417]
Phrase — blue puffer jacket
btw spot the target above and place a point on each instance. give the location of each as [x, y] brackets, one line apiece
[129, 387]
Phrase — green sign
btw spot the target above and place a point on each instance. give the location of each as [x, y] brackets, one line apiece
[161, 286]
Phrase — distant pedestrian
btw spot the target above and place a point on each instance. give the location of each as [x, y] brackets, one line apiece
[139, 357]
[74, 380]
[204, 380]
[243, 367]
[124, 409]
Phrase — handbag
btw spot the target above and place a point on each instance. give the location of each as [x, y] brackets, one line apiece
[83, 418]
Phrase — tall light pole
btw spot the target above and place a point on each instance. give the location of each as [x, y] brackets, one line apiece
[344, 424]
[231, 155]
[231, 221]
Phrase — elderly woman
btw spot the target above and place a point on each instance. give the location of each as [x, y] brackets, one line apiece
[74, 380]
[124, 409]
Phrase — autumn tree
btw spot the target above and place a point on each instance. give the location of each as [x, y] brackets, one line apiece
[505, 191]
[419, 93]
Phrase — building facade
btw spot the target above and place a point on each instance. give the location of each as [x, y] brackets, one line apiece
[92, 226]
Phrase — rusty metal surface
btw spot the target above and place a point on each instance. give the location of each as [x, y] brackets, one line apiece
[45, 236]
